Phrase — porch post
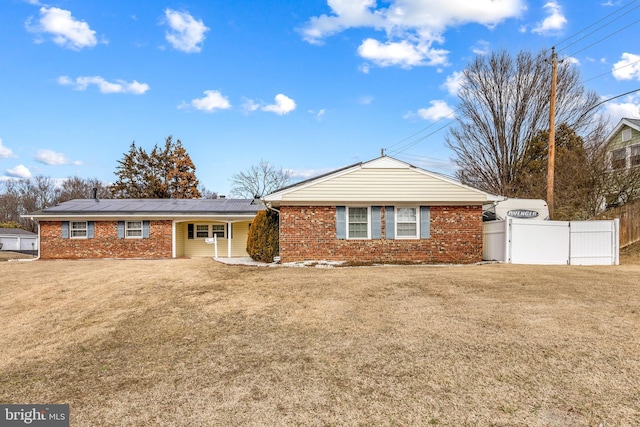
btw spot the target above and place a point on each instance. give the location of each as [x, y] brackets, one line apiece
[229, 233]
[173, 238]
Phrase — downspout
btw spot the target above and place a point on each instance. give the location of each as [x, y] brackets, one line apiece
[31, 259]
[269, 207]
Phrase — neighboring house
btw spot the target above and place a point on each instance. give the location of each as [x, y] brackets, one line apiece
[18, 240]
[623, 158]
[144, 228]
[383, 210]
[623, 145]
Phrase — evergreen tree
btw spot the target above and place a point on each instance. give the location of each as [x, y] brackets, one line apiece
[164, 173]
[263, 238]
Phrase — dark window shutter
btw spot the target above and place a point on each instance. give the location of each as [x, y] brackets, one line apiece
[341, 222]
[90, 229]
[190, 231]
[425, 222]
[376, 222]
[120, 229]
[65, 229]
[145, 229]
[390, 222]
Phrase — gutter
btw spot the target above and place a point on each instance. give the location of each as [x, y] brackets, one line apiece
[30, 259]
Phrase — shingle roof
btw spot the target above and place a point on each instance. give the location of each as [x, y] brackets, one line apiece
[153, 206]
[15, 232]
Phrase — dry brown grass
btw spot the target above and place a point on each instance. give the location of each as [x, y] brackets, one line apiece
[193, 342]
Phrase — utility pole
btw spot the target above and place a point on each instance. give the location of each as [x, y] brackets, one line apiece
[552, 131]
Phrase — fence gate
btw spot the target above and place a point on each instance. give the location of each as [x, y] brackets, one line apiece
[538, 242]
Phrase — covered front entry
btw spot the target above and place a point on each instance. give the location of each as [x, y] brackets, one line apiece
[195, 238]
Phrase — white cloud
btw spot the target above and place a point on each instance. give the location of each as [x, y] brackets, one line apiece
[283, 105]
[319, 115]
[50, 157]
[5, 152]
[64, 29]
[628, 68]
[553, 23]
[482, 47]
[438, 110]
[186, 33]
[249, 105]
[411, 27]
[19, 171]
[453, 82]
[629, 108]
[404, 54]
[213, 100]
[119, 86]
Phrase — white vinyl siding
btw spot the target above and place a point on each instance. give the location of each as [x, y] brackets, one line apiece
[386, 185]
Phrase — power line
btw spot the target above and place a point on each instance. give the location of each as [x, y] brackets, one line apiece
[606, 37]
[422, 130]
[595, 23]
[412, 143]
[612, 71]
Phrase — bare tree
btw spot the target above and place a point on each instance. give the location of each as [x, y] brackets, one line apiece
[24, 196]
[20, 197]
[81, 188]
[259, 180]
[504, 103]
[205, 193]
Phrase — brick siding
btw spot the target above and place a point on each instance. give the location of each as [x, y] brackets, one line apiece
[105, 243]
[309, 233]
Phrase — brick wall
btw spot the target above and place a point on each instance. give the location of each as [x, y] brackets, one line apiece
[105, 243]
[309, 233]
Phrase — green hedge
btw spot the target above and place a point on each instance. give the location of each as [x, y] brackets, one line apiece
[262, 242]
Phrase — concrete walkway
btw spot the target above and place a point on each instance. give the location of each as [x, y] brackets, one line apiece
[242, 261]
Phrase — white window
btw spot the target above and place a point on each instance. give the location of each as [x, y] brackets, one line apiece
[619, 158]
[133, 229]
[202, 231]
[358, 223]
[78, 229]
[205, 231]
[217, 230]
[626, 135]
[407, 223]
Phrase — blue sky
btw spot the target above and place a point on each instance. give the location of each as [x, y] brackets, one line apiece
[308, 86]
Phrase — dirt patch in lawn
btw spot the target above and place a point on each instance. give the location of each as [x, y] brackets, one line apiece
[194, 342]
[9, 255]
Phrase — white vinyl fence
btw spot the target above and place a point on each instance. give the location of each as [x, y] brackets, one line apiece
[525, 241]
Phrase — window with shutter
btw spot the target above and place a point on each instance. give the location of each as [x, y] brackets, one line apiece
[357, 223]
